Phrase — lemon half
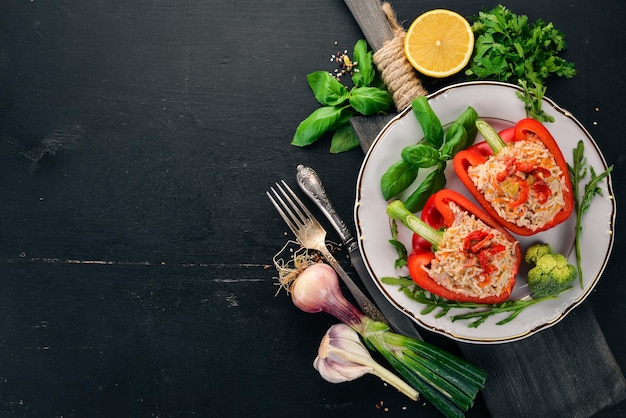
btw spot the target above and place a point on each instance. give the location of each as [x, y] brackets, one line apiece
[439, 43]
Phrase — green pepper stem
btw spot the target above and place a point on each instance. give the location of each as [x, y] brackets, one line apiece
[396, 210]
[491, 136]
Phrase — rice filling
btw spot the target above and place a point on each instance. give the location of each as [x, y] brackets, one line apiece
[523, 183]
[460, 270]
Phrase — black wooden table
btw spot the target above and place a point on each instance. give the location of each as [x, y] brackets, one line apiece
[137, 139]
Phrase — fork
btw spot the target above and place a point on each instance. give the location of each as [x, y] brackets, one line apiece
[312, 236]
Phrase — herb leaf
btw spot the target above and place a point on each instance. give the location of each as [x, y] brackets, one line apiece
[509, 48]
[316, 124]
[327, 89]
[456, 138]
[344, 139]
[428, 120]
[478, 313]
[340, 104]
[399, 246]
[467, 119]
[369, 100]
[397, 178]
[425, 154]
[365, 73]
[434, 181]
[420, 155]
[578, 172]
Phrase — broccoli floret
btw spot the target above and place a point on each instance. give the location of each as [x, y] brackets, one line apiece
[551, 273]
[535, 251]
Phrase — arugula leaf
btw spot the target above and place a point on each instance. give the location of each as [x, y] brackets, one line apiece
[476, 312]
[403, 254]
[578, 172]
[533, 99]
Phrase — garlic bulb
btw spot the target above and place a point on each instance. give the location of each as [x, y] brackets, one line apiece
[342, 357]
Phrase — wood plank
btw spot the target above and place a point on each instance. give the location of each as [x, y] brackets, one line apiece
[372, 20]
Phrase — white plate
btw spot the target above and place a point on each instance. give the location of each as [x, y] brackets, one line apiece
[498, 104]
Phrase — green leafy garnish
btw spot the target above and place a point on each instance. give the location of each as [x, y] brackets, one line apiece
[509, 48]
[432, 152]
[479, 312]
[398, 245]
[429, 121]
[339, 103]
[578, 173]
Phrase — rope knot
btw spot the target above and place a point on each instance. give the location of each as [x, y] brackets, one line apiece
[395, 70]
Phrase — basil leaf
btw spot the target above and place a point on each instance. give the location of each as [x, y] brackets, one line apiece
[456, 138]
[369, 100]
[316, 124]
[420, 155]
[435, 181]
[428, 120]
[364, 72]
[468, 120]
[397, 178]
[344, 139]
[327, 89]
[344, 119]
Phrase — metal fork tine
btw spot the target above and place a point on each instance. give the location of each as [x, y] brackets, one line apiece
[311, 234]
[294, 212]
[279, 207]
[301, 208]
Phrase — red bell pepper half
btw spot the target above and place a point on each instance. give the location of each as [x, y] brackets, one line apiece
[438, 215]
[480, 153]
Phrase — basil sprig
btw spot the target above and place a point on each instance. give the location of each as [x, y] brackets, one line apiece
[432, 152]
[339, 104]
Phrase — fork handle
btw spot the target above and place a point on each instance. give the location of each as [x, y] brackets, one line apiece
[310, 183]
[363, 301]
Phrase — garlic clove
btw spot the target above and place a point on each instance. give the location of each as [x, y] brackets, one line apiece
[335, 357]
[342, 357]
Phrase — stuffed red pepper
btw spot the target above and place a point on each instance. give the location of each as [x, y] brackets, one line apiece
[463, 253]
[522, 180]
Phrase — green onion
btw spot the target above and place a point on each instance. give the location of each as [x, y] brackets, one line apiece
[445, 380]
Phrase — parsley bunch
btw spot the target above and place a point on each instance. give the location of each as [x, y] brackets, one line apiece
[509, 48]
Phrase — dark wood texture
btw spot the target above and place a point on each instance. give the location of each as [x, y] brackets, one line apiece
[565, 382]
[137, 139]
[372, 21]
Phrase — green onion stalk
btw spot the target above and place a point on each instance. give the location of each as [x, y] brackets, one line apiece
[447, 381]
[342, 357]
